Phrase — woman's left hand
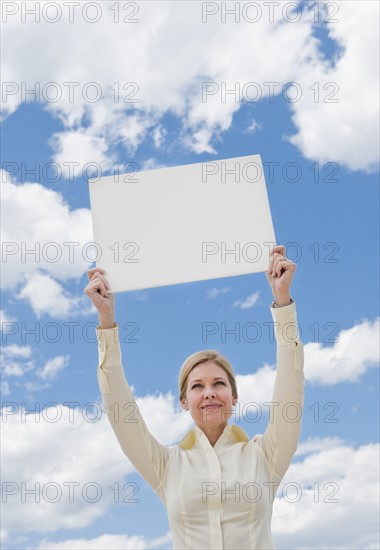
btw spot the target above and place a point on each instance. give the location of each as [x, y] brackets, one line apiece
[280, 274]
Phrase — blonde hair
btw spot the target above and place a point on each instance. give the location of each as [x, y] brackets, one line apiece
[203, 357]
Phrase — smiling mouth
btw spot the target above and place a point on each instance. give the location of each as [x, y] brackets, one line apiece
[214, 406]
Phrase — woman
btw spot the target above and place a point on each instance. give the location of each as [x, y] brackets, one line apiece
[218, 485]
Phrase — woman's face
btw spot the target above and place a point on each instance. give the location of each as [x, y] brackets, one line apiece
[209, 395]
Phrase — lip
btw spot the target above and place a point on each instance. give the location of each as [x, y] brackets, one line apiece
[211, 406]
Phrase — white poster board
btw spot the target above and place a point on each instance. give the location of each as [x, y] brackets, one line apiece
[185, 223]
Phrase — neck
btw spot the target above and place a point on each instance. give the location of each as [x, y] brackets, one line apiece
[213, 432]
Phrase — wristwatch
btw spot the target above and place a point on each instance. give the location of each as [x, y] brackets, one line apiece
[273, 304]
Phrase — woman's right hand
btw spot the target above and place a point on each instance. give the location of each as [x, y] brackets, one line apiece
[98, 292]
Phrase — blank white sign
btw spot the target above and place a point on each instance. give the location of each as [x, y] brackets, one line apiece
[180, 224]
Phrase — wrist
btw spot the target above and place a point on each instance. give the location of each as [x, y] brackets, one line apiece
[106, 321]
[282, 299]
[105, 326]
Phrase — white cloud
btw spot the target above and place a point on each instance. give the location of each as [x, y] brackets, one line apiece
[5, 388]
[31, 387]
[52, 367]
[11, 367]
[56, 233]
[48, 297]
[76, 437]
[45, 228]
[167, 421]
[14, 350]
[335, 485]
[214, 292]
[317, 444]
[199, 141]
[19, 369]
[93, 129]
[255, 388]
[251, 129]
[60, 446]
[159, 134]
[344, 131]
[249, 302]
[356, 350]
[90, 151]
[116, 542]
[5, 318]
[347, 475]
[15, 368]
[152, 164]
[3, 535]
[328, 460]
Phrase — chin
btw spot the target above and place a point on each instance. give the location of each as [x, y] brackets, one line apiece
[216, 418]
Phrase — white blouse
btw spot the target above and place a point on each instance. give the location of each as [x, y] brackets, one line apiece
[217, 497]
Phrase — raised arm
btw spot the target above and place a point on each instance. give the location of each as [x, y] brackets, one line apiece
[147, 455]
[280, 439]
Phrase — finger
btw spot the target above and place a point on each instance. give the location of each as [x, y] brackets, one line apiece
[276, 261]
[93, 270]
[276, 256]
[102, 278]
[97, 286]
[102, 287]
[279, 249]
[283, 265]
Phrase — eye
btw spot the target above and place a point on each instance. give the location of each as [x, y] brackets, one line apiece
[199, 385]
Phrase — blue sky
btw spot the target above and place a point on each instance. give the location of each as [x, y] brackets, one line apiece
[329, 219]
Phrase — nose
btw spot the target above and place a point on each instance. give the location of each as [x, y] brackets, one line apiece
[209, 392]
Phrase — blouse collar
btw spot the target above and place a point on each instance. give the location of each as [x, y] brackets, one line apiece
[232, 432]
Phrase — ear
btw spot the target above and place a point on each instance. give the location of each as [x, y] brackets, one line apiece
[184, 404]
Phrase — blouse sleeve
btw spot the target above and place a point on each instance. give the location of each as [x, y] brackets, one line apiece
[147, 455]
[280, 439]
